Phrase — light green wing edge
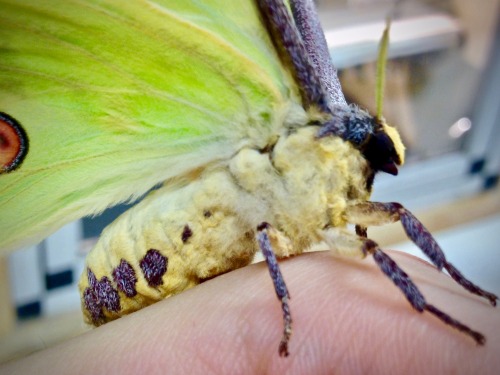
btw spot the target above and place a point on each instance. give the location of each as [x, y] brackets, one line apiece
[117, 96]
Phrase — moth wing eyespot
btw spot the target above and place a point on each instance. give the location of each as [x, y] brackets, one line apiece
[13, 143]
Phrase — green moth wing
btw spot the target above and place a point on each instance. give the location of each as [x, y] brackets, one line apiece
[116, 97]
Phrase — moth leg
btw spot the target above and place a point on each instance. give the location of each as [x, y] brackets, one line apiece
[346, 243]
[265, 235]
[361, 231]
[411, 292]
[375, 213]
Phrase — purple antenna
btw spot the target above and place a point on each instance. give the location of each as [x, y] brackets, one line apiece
[307, 22]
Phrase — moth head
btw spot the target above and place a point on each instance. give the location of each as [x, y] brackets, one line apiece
[379, 143]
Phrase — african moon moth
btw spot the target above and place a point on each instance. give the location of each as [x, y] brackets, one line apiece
[235, 107]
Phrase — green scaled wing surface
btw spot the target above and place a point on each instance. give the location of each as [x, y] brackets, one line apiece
[117, 96]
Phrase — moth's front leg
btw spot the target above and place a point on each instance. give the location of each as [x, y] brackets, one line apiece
[373, 213]
[269, 238]
[350, 244]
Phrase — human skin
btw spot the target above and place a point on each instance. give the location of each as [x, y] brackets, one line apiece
[348, 318]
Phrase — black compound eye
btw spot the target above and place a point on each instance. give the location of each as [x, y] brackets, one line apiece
[381, 154]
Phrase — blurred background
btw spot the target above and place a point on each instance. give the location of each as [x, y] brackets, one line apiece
[442, 93]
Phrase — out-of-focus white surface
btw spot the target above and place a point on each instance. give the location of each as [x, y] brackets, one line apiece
[62, 248]
[358, 44]
[25, 276]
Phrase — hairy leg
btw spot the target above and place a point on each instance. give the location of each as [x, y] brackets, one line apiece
[411, 292]
[374, 213]
[265, 233]
[346, 243]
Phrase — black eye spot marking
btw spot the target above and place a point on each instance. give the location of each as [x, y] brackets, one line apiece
[13, 143]
[154, 266]
[207, 213]
[125, 278]
[186, 233]
[98, 295]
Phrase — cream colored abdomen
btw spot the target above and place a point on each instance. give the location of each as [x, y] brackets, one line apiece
[174, 239]
[170, 242]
